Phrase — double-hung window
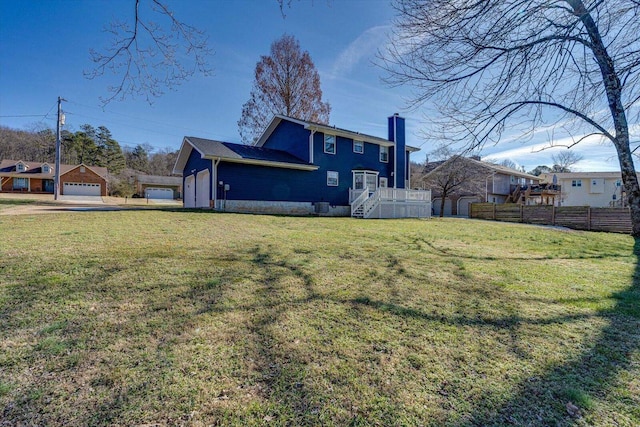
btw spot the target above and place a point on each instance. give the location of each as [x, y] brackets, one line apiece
[332, 178]
[329, 144]
[576, 183]
[384, 154]
[358, 147]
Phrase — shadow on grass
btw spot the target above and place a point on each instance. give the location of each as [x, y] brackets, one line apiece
[570, 389]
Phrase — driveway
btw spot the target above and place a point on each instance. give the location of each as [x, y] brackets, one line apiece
[93, 200]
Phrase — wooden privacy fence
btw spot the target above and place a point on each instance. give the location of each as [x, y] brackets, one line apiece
[616, 220]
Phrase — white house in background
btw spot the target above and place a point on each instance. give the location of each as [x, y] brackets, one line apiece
[595, 189]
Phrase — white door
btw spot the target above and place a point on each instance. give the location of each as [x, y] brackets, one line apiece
[203, 185]
[81, 189]
[190, 192]
[158, 193]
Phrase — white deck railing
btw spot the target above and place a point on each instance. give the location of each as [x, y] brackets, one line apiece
[390, 203]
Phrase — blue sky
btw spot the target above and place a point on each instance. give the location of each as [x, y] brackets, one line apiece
[44, 50]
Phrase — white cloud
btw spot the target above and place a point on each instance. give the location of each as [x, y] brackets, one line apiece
[361, 49]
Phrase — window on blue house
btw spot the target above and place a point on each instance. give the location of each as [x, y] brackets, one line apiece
[332, 178]
[384, 154]
[329, 144]
[358, 146]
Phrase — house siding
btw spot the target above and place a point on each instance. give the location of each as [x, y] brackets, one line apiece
[585, 195]
[290, 137]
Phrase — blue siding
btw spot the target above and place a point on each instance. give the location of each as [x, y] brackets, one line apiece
[252, 182]
[290, 137]
[397, 131]
[197, 163]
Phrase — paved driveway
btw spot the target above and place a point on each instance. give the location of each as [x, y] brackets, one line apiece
[94, 200]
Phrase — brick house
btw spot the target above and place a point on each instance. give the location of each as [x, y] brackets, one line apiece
[37, 177]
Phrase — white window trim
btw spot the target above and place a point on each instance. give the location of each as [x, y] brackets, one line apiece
[335, 144]
[383, 149]
[330, 176]
[354, 146]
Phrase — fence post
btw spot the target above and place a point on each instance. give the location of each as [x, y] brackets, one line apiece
[553, 214]
[521, 213]
[589, 218]
[494, 211]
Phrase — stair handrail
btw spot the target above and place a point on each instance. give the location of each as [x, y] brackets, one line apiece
[359, 201]
[370, 204]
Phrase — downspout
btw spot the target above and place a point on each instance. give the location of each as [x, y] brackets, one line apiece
[214, 187]
[311, 145]
[408, 171]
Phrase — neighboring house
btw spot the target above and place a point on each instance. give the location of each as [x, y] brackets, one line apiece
[158, 187]
[595, 189]
[18, 176]
[300, 167]
[464, 180]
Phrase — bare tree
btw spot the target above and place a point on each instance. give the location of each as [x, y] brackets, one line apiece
[493, 66]
[287, 83]
[564, 161]
[456, 176]
[150, 56]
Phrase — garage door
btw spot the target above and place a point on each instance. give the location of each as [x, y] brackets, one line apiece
[190, 192]
[203, 189]
[437, 205]
[81, 189]
[158, 193]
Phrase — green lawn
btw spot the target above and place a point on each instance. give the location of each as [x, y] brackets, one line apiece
[198, 318]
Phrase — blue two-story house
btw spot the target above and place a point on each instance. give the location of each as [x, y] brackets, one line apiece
[303, 168]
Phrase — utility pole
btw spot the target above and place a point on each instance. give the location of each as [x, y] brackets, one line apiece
[56, 178]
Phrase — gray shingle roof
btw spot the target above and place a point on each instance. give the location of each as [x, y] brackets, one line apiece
[230, 151]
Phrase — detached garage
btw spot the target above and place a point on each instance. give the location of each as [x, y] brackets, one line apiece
[84, 180]
[158, 193]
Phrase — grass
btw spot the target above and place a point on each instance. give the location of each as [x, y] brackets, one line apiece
[198, 318]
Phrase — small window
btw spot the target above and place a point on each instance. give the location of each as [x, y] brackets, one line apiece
[358, 146]
[20, 167]
[82, 169]
[384, 154]
[594, 182]
[329, 144]
[618, 183]
[576, 183]
[46, 169]
[332, 178]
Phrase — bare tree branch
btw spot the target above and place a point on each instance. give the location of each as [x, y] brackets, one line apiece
[520, 65]
[149, 57]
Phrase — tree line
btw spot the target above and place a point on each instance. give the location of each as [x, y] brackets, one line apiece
[89, 145]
